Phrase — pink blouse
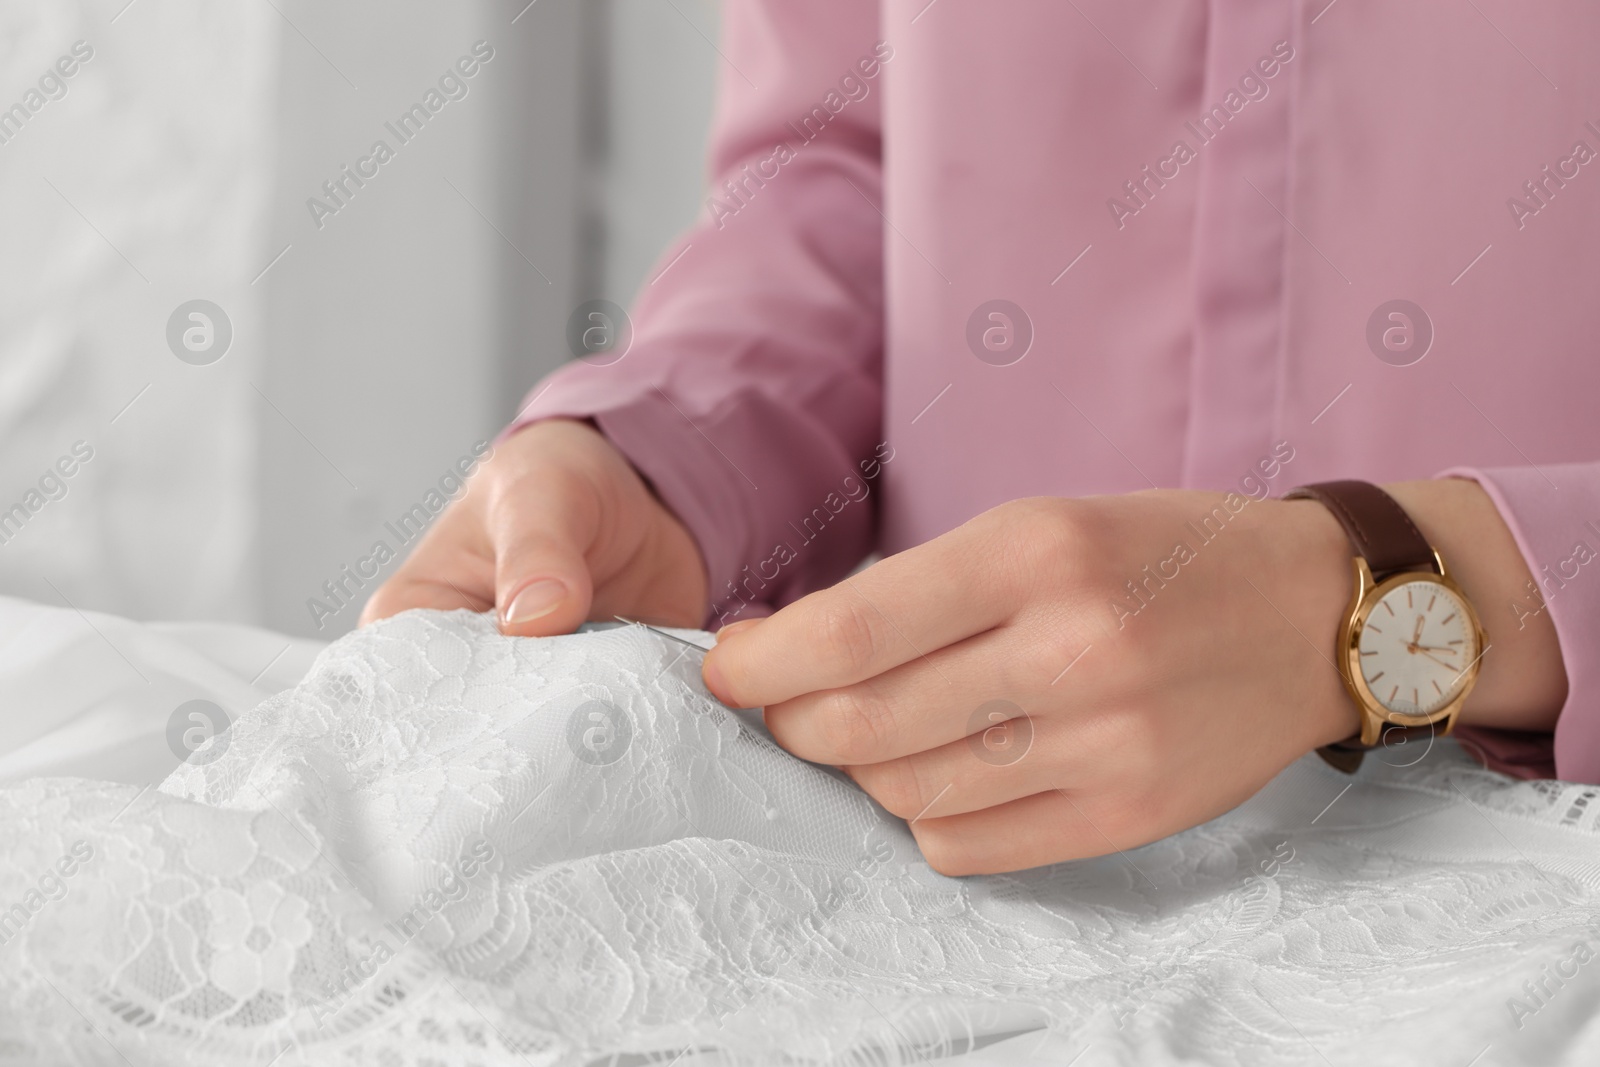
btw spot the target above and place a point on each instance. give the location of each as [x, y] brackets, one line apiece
[958, 252]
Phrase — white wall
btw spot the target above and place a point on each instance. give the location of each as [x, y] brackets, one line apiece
[404, 327]
[144, 186]
[380, 345]
[661, 88]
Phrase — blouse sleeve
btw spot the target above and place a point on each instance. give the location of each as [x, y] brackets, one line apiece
[1554, 514]
[751, 394]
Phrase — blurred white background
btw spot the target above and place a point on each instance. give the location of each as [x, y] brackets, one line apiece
[370, 352]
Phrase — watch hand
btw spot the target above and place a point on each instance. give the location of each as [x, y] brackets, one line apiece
[1440, 662]
[1416, 635]
[1435, 648]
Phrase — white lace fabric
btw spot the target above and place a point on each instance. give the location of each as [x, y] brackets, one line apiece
[449, 847]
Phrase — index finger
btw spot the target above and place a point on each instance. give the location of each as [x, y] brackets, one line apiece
[903, 607]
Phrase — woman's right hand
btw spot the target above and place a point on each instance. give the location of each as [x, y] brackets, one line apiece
[556, 528]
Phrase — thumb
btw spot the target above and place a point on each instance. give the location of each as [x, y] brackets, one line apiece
[542, 581]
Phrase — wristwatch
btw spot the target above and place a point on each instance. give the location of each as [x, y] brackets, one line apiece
[1410, 641]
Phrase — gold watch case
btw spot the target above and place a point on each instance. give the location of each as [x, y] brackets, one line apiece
[1368, 593]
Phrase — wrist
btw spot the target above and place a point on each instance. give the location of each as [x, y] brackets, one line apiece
[1307, 560]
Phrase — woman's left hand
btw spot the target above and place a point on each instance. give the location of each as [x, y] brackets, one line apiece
[1061, 678]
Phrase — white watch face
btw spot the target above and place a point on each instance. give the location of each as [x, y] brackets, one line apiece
[1415, 648]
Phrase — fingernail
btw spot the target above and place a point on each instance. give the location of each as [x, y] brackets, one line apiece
[734, 627]
[536, 600]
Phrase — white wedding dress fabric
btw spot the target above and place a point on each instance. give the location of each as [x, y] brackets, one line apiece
[444, 846]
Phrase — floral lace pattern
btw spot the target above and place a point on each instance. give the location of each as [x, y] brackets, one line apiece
[449, 847]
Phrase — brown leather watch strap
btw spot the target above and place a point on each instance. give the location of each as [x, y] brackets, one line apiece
[1379, 528]
[1346, 755]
